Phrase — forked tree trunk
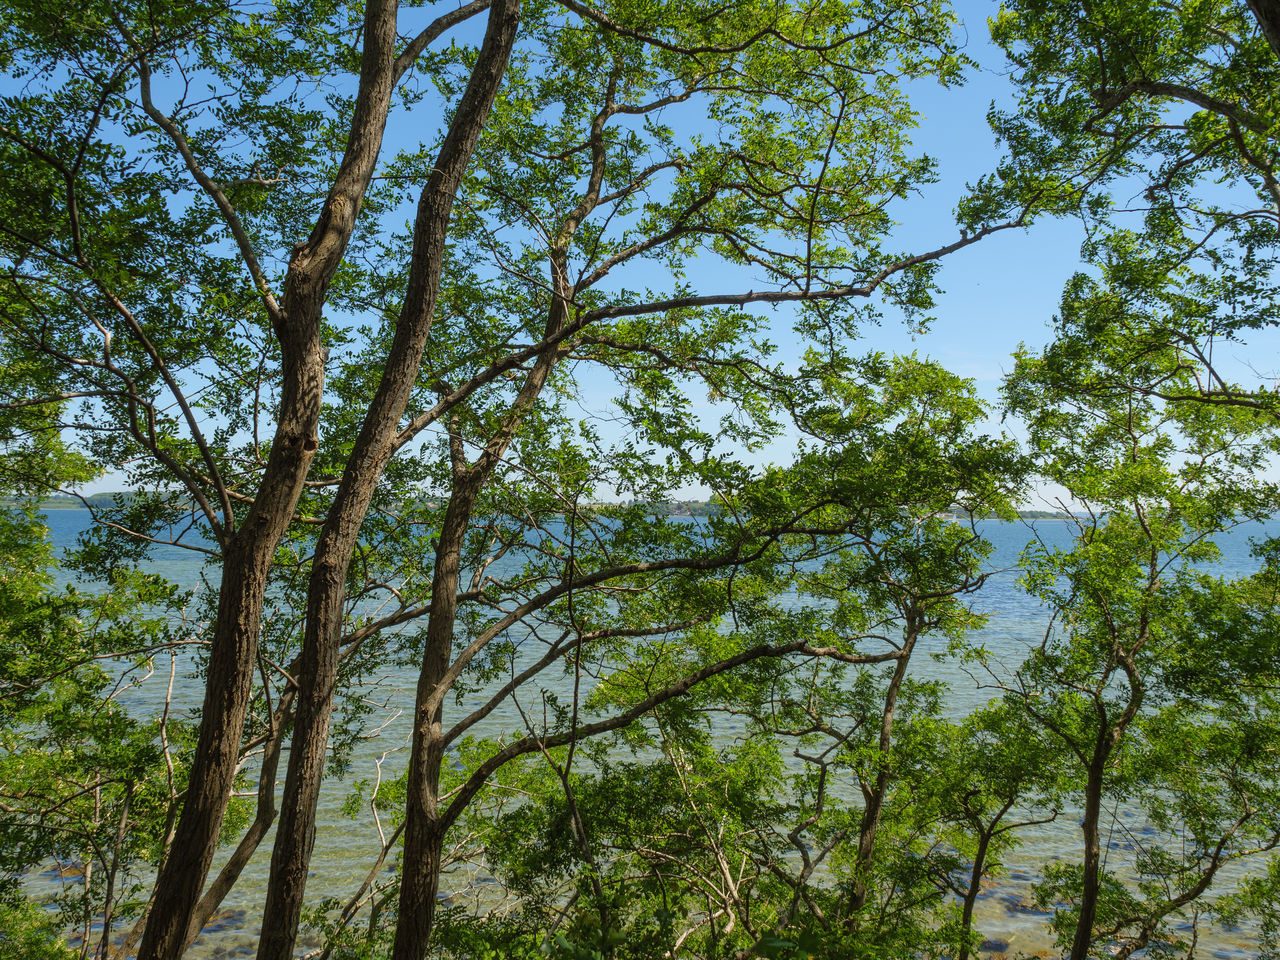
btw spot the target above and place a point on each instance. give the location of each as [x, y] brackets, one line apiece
[318, 669]
[228, 685]
[249, 551]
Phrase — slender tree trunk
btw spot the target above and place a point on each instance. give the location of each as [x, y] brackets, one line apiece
[971, 895]
[1090, 886]
[317, 674]
[874, 797]
[424, 823]
[985, 834]
[1110, 734]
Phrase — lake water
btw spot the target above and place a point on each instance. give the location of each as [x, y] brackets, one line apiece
[346, 848]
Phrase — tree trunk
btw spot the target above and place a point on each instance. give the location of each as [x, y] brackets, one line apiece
[424, 823]
[1108, 740]
[1083, 939]
[228, 686]
[317, 674]
[1267, 13]
[970, 896]
[264, 817]
[248, 552]
[875, 797]
[975, 886]
[420, 886]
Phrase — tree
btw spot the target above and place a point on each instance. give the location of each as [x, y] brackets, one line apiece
[1134, 607]
[200, 245]
[792, 806]
[76, 766]
[897, 460]
[1168, 113]
[1170, 108]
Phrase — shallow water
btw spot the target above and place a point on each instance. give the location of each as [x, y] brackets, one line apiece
[346, 848]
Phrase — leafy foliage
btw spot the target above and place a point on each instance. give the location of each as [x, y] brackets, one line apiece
[646, 734]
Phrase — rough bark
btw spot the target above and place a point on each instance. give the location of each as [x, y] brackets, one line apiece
[317, 674]
[1267, 13]
[250, 840]
[248, 552]
[264, 817]
[228, 687]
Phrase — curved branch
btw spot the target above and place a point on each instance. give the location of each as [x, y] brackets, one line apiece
[214, 191]
[432, 32]
[464, 794]
[1178, 91]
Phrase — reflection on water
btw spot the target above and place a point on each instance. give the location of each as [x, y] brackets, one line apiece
[345, 848]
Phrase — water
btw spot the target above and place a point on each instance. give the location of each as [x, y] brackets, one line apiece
[346, 848]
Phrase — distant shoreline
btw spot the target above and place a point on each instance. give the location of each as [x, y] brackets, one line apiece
[64, 501]
[679, 508]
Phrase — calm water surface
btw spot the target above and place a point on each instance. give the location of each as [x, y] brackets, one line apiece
[346, 848]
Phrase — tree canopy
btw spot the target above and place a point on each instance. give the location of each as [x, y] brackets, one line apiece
[399, 318]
